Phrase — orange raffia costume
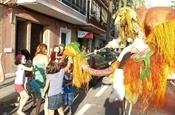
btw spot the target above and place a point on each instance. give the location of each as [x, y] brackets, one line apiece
[145, 77]
[150, 89]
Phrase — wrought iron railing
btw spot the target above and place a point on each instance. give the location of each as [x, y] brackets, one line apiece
[78, 5]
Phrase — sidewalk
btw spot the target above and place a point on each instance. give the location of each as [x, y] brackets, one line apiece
[7, 91]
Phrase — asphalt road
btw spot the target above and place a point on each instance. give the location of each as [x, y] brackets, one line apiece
[94, 101]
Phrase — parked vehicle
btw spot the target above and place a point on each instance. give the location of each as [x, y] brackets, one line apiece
[101, 60]
[96, 61]
[109, 54]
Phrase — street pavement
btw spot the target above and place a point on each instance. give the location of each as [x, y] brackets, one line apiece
[99, 104]
[87, 102]
[7, 91]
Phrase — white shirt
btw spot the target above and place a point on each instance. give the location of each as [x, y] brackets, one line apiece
[20, 78]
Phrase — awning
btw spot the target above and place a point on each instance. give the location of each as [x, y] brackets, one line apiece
[85, 34]
[93, 28]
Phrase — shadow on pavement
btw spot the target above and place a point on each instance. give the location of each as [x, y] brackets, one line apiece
[114, 108]
[80, 94]
[79, 97]
[6, 84]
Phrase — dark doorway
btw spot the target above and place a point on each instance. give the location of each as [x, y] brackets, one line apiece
[21, 35]
[36, 37]
[83, 42]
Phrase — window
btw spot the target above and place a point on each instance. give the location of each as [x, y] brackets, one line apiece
[95, 10]
[65, 35]
[67, 2]
[63, 38]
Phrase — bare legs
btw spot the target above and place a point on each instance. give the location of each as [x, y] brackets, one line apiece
[23, 99]
[2, 75]
[51, 112]
[34, 98]
[17, 100]
[38, 105]
[46, 111]
[60, 111]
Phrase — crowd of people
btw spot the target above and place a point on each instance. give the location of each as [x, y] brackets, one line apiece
[44, 77]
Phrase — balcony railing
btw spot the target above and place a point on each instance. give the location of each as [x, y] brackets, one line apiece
[78, 5]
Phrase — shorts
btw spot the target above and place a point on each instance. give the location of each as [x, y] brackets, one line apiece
[55, 102]
[68, 98]
[19, 88]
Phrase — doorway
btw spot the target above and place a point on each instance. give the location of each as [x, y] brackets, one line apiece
[21, 36]
[28, 36]
[36, 37]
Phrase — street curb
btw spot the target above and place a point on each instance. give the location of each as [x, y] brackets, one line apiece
[8, 99]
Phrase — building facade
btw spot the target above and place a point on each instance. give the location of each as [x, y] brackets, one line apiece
[27, 23]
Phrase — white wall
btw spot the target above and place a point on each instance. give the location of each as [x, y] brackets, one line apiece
[152, 3]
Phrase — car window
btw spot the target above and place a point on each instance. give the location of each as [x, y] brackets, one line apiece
[99, 59]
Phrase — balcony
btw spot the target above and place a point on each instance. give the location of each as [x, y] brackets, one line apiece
[79, 6]
[60, 9]
[97, 17]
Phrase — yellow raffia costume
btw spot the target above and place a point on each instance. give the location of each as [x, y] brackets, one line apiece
[80, 77]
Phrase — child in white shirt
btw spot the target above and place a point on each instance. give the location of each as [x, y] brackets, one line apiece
[20, 80]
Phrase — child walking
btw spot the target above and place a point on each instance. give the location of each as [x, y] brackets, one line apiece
[68, 90]
[20, 80]
[54, 83]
